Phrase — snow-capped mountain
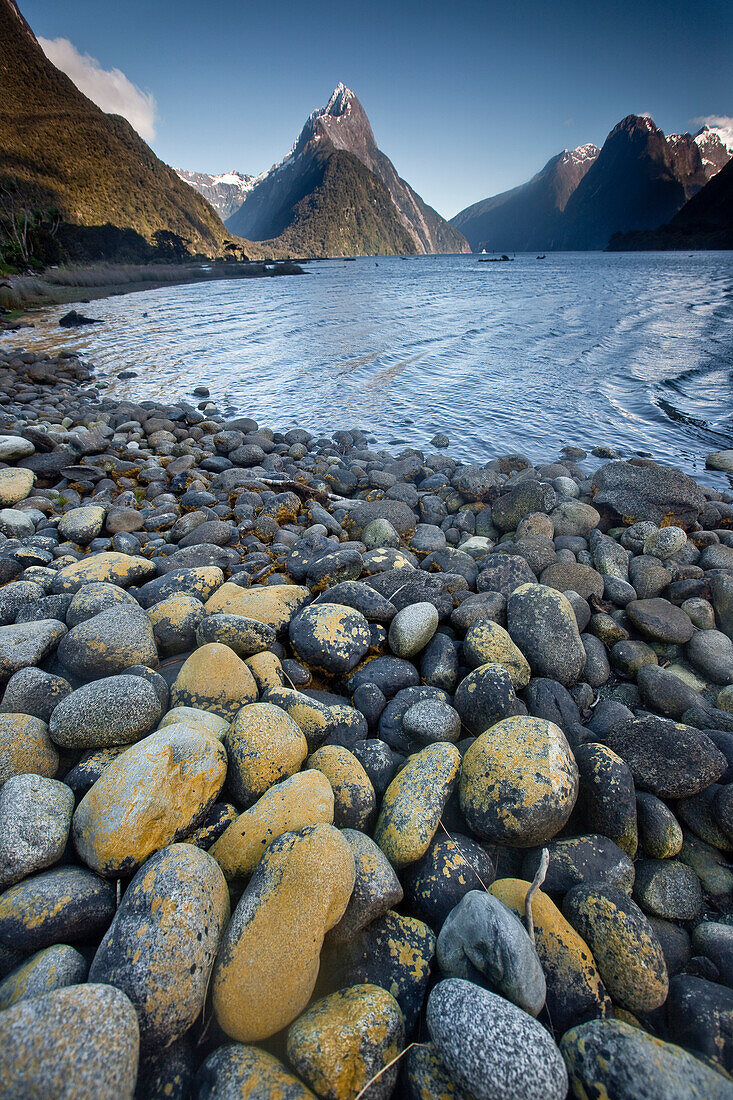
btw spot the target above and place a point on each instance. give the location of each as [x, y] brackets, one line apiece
[716, 148]
[341, 129]
[637, 181]
[224, 192]
[528, 217]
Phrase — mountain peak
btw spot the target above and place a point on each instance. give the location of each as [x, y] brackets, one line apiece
[339, 103]
[644, 124]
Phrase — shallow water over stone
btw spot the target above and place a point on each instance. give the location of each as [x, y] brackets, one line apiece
[634, 351]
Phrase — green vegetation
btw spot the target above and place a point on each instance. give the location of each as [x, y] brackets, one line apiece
[348, 213]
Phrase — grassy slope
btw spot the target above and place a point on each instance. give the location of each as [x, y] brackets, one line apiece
[348, 212]
[65, 152]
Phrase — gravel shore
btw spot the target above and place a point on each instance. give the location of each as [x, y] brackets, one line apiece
[326, 772]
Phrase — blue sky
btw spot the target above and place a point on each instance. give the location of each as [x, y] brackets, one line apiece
[467, 98]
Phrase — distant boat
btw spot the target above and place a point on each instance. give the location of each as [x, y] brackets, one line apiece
[483, 251]
[496, 260]
[543, 257]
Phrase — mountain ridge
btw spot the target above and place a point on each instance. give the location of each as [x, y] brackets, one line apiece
[61, 151]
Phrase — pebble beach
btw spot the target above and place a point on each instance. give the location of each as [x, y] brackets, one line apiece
[330, 772]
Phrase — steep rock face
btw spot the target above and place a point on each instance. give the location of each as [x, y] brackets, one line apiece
[225, 192]
[528, 217]
[639, 179]
[340, 126]
[62, 151]
[704, 222]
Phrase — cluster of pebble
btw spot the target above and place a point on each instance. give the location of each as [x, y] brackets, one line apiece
[291, 727]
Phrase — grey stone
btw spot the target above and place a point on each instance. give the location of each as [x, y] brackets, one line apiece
[14, 447]
[660, 620]
[15, 524]
[666, 758]
[116, 710]
[35, 818]
[412, 628]
[31, 691]
[711, 652]
[245, 636]
[161, 945]
[81, 1041]
[665, 542]
[645, 490]
[26, 644]
[81, 525]
[481, 938]
[542, 624]
[376, 887]
[521, 1061]
[667, 888]
[109, 643]
[432, 720]
[581, 859]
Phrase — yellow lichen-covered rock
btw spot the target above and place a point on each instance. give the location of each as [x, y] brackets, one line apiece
[73, 1043]
[342, 1041]
[204, 720]
[51, 968]
[220, 817]
[162, 943]
[414, 802]
[300, 889]
[214, 678]
[266, 669]
[355, 800]
[121, 569]
[174, 622]
[393, 951]
[264, 746]
[15, 485]
[626, 948]
[149, 796]
[25, 747]
[330, 637]
[240, 1071]
[519, 782]
[488, 643]
[427, 1077]
[313, 718]
[274, 604]
[575, 990]
[304, 799]
[611, 1058]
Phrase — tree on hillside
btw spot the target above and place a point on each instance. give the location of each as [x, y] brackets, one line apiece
[27, 235]
[171, 246]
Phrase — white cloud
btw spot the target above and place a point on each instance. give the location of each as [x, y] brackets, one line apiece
[110, 89]
[718, 122]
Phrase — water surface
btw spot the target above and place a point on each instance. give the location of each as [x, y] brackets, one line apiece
[630, 350]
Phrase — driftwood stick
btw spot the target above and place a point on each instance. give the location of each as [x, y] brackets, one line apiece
[536, 883]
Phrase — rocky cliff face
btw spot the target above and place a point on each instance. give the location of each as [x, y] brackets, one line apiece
[341, 126]
[704, 222]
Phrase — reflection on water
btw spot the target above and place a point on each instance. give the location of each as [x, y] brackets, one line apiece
[632, 351]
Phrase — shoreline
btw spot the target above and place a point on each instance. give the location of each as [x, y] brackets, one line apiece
[24, 294]
[353, 651]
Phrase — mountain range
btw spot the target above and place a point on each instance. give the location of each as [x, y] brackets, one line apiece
[225, 192]
[638, 180]
[335, 193]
